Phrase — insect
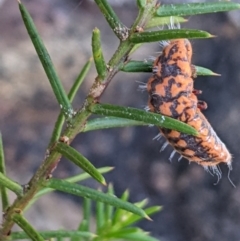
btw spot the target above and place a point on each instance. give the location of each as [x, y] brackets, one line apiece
[171, 93]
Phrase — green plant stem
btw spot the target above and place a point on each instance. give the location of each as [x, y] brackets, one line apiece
[21, 202]
[144, 15]
[77, 124]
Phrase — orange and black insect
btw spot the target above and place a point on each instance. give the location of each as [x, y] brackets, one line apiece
[171, 93]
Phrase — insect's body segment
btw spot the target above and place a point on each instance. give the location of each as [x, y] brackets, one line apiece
[171, 93]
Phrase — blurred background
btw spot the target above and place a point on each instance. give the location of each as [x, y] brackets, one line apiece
[194, 208]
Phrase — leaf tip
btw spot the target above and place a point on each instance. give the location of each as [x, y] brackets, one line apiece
[99, 189]
[215, 74]
[212, 36]
[159, 208]
[148, 218]
[127, 191]
[103, 182]
[196, 133]
[19, 2]
[96, 30]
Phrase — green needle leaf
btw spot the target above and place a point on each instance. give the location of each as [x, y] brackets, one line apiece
[110, 122]
[130, 233]
[132, 219]
[76, 178]
[109, 208]
[116, 25]
[79, 80]
[154, 36]
[135, 48]
[80, 161]
[85, 225]
[54, 234]
[3, 190]
[47, 64]
[195, 8]
[114, 234]
[86, 192]
[142, 203]
[204, 71]
[27, 227]
[100, 210]
[134, 66]
[11, 185]
[141, 3]
[137, 66]
[58, 239]
[84, 176]
[126, 218]
[139, 236]
[71, 95]
[98, 54]
[118, 215]
[160, 21]
[140, 115]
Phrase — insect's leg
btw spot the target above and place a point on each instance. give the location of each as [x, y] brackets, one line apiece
[197, 92]
[202, 105]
